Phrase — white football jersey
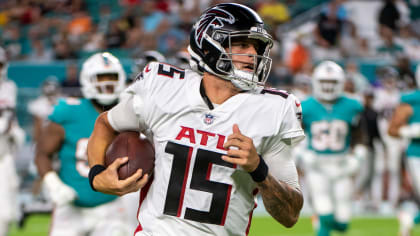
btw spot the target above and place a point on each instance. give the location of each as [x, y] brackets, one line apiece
[9, 180]
[7, 105]
[192, 190]
[385, 103]
[8, 93]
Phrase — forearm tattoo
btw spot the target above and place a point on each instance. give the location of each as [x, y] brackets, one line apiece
[282, 201]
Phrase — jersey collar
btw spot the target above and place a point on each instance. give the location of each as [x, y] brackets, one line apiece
[198, 103]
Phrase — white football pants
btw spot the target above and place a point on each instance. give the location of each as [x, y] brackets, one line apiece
[330, 191]
[388, 157]
[104, 220]
[413, 165]
[9, 183]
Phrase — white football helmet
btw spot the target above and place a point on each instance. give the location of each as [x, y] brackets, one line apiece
[328, 81]
[3, 61]
[97, 64]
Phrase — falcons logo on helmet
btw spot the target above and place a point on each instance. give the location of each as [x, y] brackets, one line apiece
[213, 18]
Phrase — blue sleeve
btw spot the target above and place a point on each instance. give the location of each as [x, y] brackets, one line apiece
[60, 113]
[306, 110]
[404, 98]
[359, 107]
[357, 111]
[305, 107]
[410, 98]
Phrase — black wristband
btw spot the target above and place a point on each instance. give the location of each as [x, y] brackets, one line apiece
[261, 172]
[94, 171]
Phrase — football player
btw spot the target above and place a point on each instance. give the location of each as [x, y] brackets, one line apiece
[405, 123]
[220, 137]
[386, 99]
[41, 107]
[329, 119]
[78, 209]
[11, 138]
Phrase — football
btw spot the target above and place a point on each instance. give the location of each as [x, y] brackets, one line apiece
[140, 153]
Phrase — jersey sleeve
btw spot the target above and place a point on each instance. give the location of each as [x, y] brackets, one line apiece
[131, 112]
[280, 160]
[277, 153]
[290, 127]
[410, 98]
[123, 116]
[61, 112]
[359, 106]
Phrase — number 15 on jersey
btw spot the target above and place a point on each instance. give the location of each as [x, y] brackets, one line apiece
[199, 181]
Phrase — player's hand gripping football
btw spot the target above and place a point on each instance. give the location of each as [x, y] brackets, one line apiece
[241, 150]
[108, 182]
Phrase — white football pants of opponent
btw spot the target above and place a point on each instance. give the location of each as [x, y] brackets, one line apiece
[388, 158]
[330, 187]
[103, 220]
[9, 181]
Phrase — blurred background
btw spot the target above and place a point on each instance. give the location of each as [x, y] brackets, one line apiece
[377, 42]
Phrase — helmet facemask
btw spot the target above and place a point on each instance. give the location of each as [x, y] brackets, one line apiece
[258, 70]
[328, 89]
[106, 87]
[256, 77]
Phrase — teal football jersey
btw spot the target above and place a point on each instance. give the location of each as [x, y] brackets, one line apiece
[413, 99]
[328, 127]
[77, 117]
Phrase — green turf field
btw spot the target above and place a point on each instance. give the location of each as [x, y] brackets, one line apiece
[37, 225]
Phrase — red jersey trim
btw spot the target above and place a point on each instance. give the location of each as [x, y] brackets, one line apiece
[143, 194]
